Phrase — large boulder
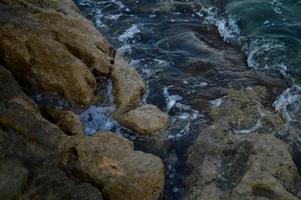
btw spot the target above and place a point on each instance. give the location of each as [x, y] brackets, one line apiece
[50, 46]
[111, 163]
[145, 120]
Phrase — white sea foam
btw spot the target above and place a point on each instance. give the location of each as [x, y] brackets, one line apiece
[97, 119]
[129, 33]
[170, 100]
[257, 126]
[127, 48]
[217, 102]
[289, 102]
[261, 55]
[114, 17]
[227, 26]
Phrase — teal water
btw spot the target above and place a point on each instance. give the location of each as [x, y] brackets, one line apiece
[269, 31]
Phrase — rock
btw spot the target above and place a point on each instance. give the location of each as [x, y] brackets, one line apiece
[161, 6]
[28, 171]
[128, 87]
[271, 171]
[19, 113]
[153, 6]
[49, 45]
[49, 184]
[67, 120]
[11, 92]
[13, 179]
[111, 163]
[145, 120]
[238, 155]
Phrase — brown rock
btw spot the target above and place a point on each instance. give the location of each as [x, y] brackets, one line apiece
[128, 87]
[13, 179]
[19, 113]
[49, 45]
[238, 156]
[111, 163]
[52, 183]
[11, 92]
[145, 120]
[67, 120]
[271, 171]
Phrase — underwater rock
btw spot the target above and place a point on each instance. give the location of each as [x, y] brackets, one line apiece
[239, 154]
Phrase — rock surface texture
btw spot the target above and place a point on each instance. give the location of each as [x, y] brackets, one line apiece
[112, 164]
[240, 155]
[145, 120]
[48, 47]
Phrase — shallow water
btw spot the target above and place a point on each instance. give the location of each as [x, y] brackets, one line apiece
[189, 53]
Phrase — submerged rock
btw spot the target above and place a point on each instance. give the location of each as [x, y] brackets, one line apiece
[145, 120]
[236, 159]
[111, 163]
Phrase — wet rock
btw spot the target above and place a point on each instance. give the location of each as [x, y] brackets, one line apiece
[51, 47]
[67, 120]
[157, 6]
[238, 155]
[111, 163]
[162, 6]
[13, 179]
[128, 87]
[145, 120]
[271, 171]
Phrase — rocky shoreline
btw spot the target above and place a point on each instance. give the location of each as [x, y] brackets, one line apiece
[52, 62]
[49, 47]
